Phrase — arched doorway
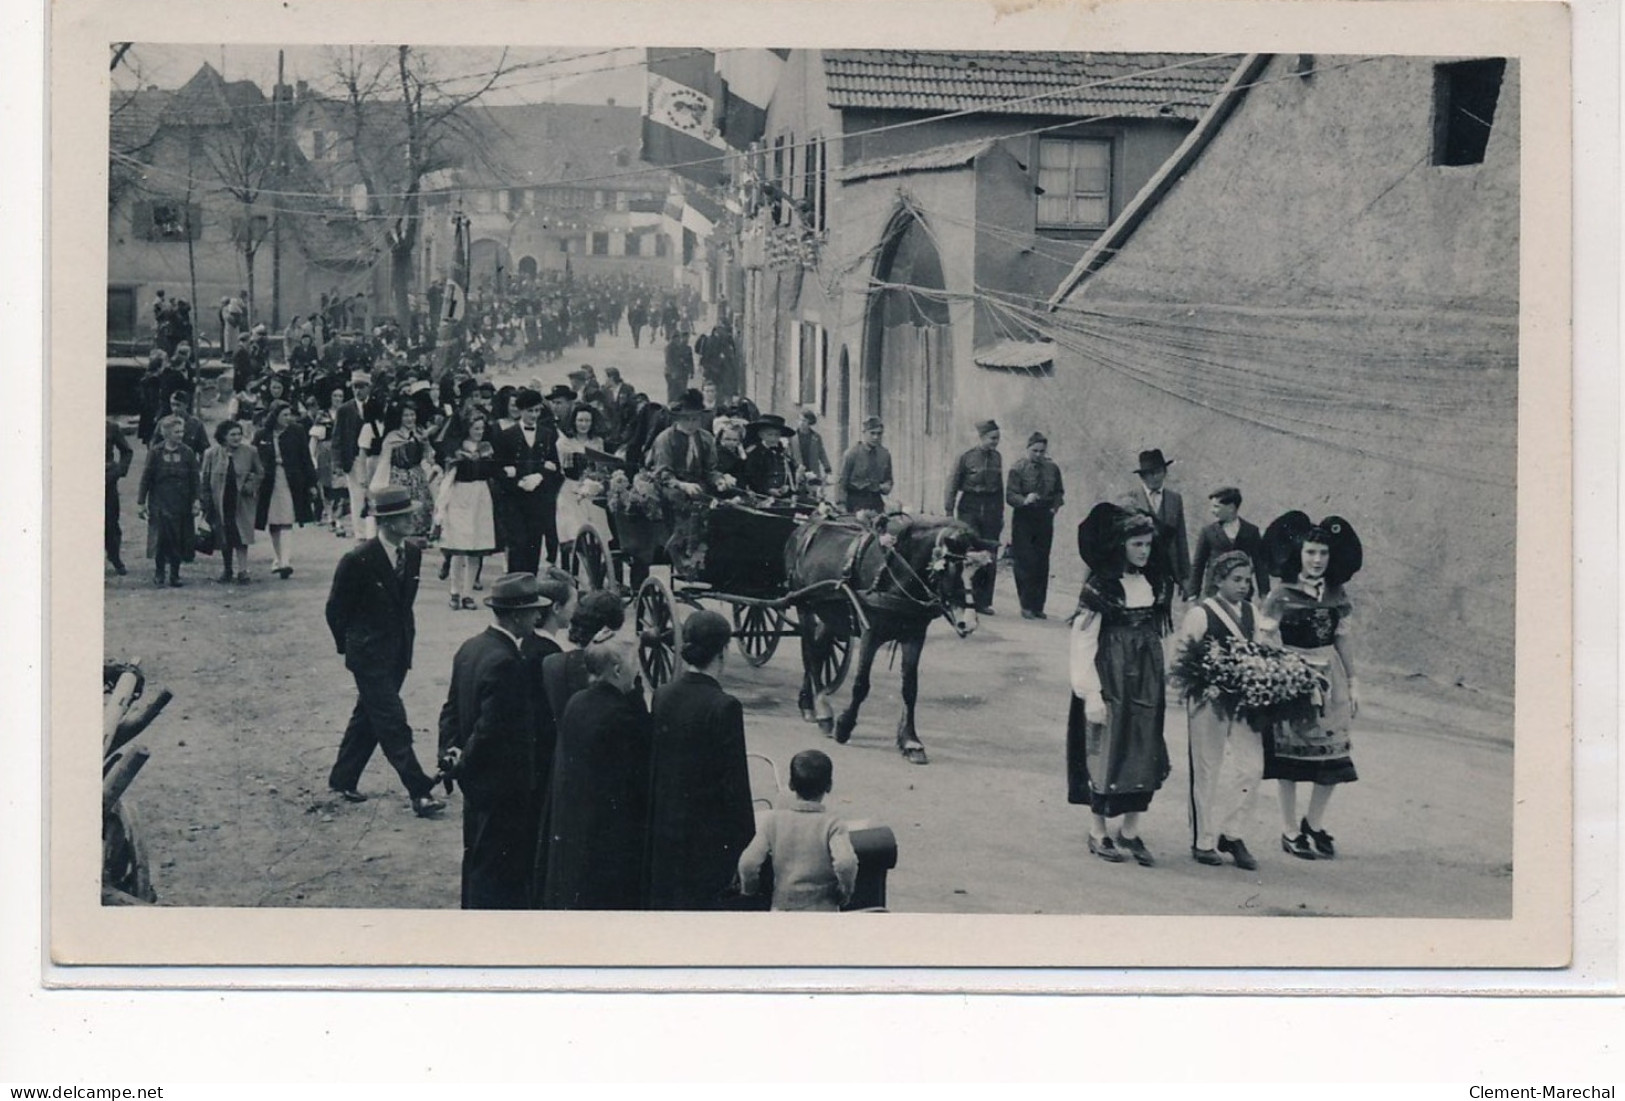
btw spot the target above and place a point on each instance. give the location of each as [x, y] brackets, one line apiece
[527, 266]
[908, 361]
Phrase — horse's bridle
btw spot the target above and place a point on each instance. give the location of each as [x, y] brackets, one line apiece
[940, 556]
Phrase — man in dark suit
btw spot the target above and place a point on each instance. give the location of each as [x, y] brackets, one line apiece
[1228, 532]
[598, 826]
[1167, 508]
[119, 456]
[347, 451]
[369, 611]
[527, 456]
[488, 744]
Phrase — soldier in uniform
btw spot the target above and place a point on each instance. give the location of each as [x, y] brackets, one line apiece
[866, 475]
[1034, 494]
[976, 496]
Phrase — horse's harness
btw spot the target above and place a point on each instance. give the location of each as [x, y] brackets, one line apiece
[932, 603]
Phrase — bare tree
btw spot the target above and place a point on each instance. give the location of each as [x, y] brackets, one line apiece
[241, 155]
[404, 119]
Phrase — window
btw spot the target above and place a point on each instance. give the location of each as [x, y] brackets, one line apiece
[634, 244]
[168, 220]
[812, 187]
[600, 244]
[779, 211]
[1074, 183]
[323, 145]
[662, 245]
[1464, 97]
[519, 199]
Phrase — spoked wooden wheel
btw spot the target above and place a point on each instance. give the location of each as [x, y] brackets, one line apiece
[660, 635]
[591, 563]
[829, 674]
[757, 630]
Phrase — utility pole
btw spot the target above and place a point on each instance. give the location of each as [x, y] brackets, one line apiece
[276, 207]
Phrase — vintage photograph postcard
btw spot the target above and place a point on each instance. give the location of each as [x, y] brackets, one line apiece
[750, 485]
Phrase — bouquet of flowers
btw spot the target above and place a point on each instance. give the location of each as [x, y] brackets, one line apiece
[1252, 681]
[638, 496]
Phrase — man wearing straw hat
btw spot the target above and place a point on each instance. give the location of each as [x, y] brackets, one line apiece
[488, 744]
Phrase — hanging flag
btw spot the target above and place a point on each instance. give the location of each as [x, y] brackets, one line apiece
[680, 112]
[749, 77]
[700, 214]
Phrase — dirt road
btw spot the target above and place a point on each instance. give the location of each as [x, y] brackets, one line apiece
[238, 813]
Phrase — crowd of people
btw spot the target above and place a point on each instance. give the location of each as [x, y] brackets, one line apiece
[576, 795]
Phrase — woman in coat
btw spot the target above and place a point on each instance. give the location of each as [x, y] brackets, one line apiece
[230, 477]
[288, 492]
[167, 500]
[1309, 615]
[1116, 757]
[701, 816]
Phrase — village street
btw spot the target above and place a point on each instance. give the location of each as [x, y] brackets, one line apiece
[237, 812]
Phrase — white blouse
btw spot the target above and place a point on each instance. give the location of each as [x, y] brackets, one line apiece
[1137, 593]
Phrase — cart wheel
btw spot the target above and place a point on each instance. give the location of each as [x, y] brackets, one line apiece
[660, 635]
[124, 855]
[590, 565]
[757, 630]
[829, 674]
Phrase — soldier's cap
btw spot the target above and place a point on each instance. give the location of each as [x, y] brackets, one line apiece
[871, 423]
[984, 427]
[1037, 437]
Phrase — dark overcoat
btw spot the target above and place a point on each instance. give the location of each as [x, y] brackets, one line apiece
[700, 811]
[300, 473]
[598, 833]
[369, 609]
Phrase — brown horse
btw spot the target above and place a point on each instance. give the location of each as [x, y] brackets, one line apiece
[903, 578]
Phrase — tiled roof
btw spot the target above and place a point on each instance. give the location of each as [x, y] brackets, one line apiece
[1132, 85]
[133, 117]
[208, 100]
[533, 145]
[929, 160]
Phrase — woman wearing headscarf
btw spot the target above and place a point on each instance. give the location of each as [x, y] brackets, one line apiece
[1226, 753]
[406, 460]
[288, 492]
[1115, 753]
[701, 816]
[598, 615]
[1309, 614]
[230, 477]
[463, 507]
[168, 499]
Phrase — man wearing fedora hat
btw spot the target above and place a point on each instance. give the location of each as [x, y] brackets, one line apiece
[488, 735]
[369, 612]
[348, 453]
[769, 468]
[1167, 508]
[866, 476]
[976, 496]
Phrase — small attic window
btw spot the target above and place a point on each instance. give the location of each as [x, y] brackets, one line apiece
[1464, 99]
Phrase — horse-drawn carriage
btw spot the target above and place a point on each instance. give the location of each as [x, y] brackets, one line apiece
[742, 565]
[839, 584]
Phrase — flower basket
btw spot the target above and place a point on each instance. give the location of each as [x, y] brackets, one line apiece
[1250, 681]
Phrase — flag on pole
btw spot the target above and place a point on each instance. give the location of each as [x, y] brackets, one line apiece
[700, 214]
[680, 109]
[748, 79]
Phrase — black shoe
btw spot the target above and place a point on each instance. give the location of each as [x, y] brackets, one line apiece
[1237, 848]
[1298, 846]
[1322, 840]
[1040, 615]
[445, 567]
[175, 581]
[985, 611]
[1206, 856]
[349, 795]
[426, 806]
[158, 580]
[1026, 613]
[118, 568]
[1136, 847]
[1105, 849]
